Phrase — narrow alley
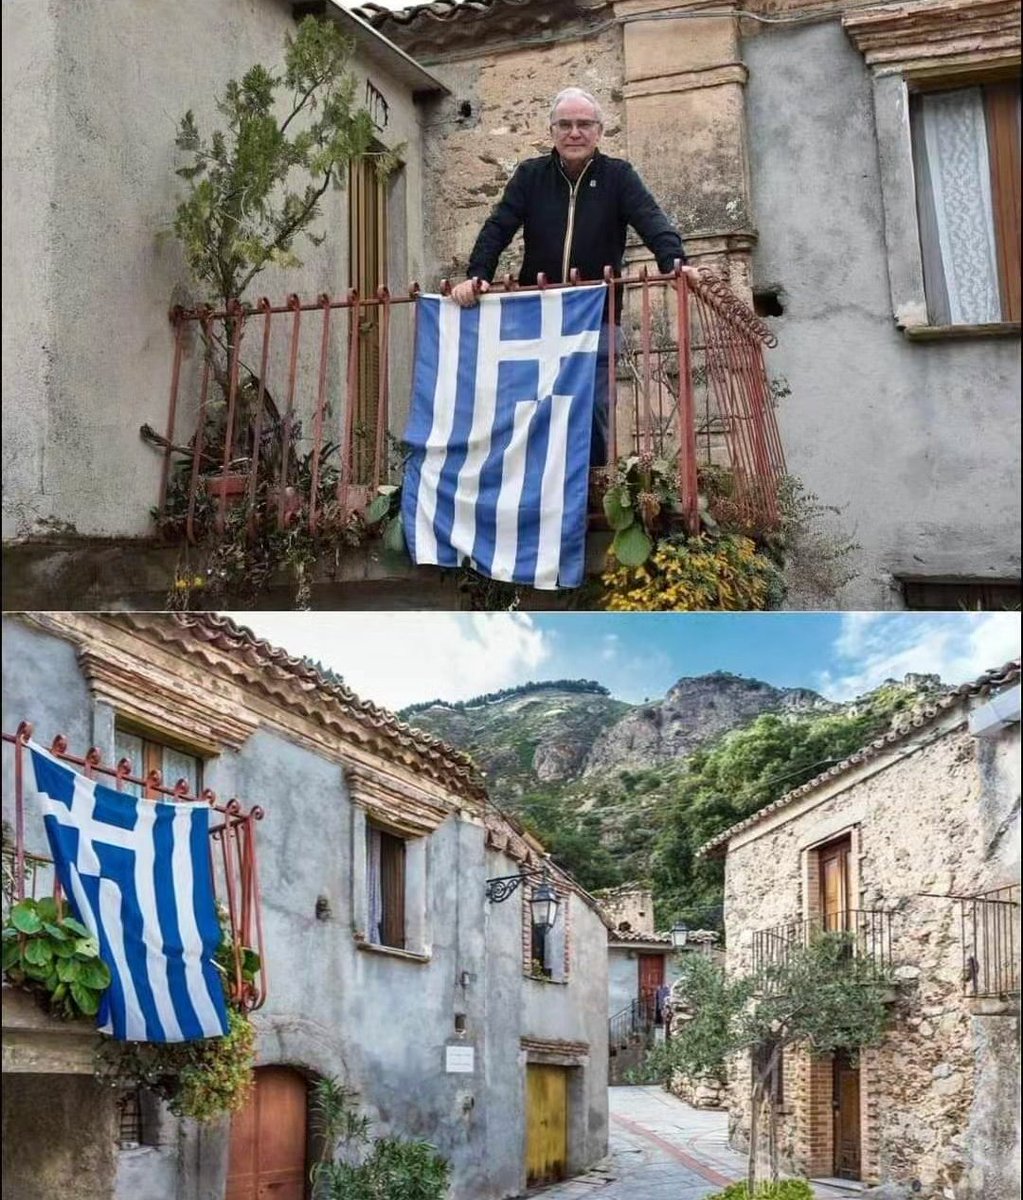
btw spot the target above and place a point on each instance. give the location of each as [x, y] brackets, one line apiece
[662, 1149]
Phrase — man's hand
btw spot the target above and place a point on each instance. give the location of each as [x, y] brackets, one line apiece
[466, 294]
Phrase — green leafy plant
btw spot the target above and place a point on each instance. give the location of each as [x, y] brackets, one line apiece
[640, 499]
[356, 1166]
[782, 1189]
[695, 574]
[56, 957]
[203, 1080]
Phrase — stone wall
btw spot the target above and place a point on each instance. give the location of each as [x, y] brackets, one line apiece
[922, 822]
[506, 95]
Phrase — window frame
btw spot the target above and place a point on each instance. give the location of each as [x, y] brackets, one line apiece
[154, 744]
[1004, 182]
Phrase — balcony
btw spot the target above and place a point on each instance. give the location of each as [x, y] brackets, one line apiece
[990, 941]
[286, 413]
[868, 932]
[232, 847]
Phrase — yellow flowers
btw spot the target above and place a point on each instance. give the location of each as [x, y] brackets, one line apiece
[690, 574]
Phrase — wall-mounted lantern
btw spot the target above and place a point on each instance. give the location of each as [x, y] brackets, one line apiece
[679, 934]
[543, 904]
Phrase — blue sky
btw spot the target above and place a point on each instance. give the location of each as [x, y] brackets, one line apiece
[396, 659]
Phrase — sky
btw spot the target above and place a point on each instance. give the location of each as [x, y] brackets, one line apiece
[395, 659]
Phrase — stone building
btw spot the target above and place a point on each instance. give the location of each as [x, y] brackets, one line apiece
[444, 1011]
[785, 138]
[912, 846]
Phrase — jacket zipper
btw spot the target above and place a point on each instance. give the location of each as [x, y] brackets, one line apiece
[572, 189]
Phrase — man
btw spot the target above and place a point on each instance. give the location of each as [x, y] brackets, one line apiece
[574, 206]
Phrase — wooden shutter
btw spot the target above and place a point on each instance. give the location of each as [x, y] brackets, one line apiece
[392, 891]
[834, 868]
[1001, 108]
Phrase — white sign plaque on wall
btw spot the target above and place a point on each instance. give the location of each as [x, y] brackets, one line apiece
[459, 1060]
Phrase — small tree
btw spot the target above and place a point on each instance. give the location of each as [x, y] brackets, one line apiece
[245, 208]
[823, 997]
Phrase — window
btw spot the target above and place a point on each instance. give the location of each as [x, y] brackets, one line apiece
[385, 875]
[966, 158]
[129, 1119]
[146, 755]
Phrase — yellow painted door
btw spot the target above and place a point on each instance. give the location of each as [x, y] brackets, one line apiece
[546, 1123]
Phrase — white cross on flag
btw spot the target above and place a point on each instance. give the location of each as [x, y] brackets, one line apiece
[137, 874]
[500, 427]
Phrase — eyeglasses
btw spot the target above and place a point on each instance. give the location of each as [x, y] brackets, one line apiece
[584, 126]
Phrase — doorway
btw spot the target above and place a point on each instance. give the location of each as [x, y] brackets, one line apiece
[269, 1137]
[651, 980]
[846, 1106]
[546, 1123]
[834, 885]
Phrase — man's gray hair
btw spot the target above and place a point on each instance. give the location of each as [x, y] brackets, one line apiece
[577, 93]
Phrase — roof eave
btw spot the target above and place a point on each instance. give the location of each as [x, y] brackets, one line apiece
[385, 53]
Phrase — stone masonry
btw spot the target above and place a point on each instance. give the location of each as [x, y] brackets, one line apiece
[927, 822]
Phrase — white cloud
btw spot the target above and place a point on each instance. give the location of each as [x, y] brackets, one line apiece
[396, 659]
[873, 647]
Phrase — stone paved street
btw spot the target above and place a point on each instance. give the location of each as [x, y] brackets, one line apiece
[661, 1149]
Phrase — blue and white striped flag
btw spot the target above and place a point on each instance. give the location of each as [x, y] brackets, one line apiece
[500, 427]
[137, 875]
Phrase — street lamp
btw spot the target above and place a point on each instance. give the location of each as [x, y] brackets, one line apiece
[543, 904]
[679, 934]
[544, 907]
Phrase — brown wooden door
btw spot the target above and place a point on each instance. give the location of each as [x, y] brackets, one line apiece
[546, 1123]
[834, 884]
[651, 977]
[846, 1105]
[268, 1139]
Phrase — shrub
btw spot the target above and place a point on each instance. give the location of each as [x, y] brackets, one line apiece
[784, 1189]
[694, 574]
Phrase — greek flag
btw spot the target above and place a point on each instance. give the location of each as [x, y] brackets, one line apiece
[500, 426]
[137, 875]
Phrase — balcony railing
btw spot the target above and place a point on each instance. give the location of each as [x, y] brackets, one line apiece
[869, 933]
[233, 860]
[990, 940]
[296, 399]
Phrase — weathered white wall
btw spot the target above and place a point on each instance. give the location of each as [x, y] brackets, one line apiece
[92, 92]
[916, 442]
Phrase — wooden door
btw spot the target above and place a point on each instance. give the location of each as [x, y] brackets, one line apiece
[546, 1123]
[268, 1139]
[846, 1105]
[651, 977]
[834, 885]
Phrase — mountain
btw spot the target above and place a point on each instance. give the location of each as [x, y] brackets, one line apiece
[623, 791]
[540, 733]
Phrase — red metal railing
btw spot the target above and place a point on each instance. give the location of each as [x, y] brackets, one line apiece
[694, 390]
[233, 860]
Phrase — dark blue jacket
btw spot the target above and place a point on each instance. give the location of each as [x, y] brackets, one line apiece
[591, 218]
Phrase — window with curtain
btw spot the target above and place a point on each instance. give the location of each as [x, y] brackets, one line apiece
[385, 880]
[147, 755]
[966, 158]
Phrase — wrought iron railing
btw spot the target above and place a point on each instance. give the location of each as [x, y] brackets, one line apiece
[233, 859]
[869, 934]
[633, 1023]
[689, 387]
[990, 941]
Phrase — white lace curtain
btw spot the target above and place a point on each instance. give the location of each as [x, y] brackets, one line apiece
[957, 232]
